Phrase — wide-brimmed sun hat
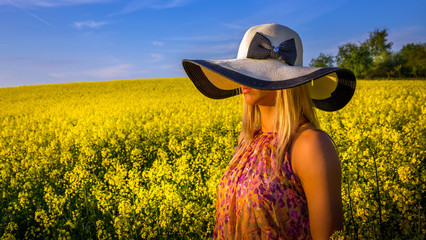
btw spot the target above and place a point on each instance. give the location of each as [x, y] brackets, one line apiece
[270, 57]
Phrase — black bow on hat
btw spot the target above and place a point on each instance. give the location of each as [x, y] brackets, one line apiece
[261, 48]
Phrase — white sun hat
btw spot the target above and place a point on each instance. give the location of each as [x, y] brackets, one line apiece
[270, 57]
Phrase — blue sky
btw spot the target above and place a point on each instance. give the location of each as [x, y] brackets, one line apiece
[57, 41]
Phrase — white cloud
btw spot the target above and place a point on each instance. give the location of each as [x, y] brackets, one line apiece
[358, 39]
[117, 71]
[111, 72]
[9, 2]
[234, 26]
[401, 37]
[59, 75]
[88, 24]
[174, 70]
[157, 43]
[136, 5]
[211, 38]
[162, 4]
[49, 3]
[169, 66]
[212, 49]
[156, 57]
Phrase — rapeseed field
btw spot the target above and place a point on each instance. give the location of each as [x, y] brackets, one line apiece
[141, 159]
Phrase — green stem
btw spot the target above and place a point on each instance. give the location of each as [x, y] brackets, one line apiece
[378, 192]
[351, 209]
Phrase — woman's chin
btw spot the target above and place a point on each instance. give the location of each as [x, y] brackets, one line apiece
[249, 100]
[252, 100]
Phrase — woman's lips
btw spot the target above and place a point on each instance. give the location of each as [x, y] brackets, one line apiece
[245, 89]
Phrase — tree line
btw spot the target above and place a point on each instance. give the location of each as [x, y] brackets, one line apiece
[374, 58]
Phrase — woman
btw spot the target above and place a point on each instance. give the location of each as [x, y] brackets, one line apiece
[284, 179]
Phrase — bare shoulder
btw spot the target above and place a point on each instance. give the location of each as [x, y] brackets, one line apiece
[313, 152]
[316, 163]
[312, 139]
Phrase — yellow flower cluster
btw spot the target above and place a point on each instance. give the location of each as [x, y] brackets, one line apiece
[141, 159]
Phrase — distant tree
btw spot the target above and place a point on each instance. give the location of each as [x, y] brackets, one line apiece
[380, 50]
[414, 58]
[378, 43]
[356, 58]
[373, 58]
[390, 66]
[323, 60]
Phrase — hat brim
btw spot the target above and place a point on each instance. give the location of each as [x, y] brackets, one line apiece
[220, 79]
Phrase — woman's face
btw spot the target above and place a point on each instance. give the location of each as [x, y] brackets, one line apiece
[259, 97]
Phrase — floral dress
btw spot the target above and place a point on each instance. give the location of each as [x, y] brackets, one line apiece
[254, 203]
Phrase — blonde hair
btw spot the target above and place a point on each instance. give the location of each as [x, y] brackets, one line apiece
[294, 112]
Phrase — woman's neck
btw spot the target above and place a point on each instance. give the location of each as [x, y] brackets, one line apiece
[266, 118]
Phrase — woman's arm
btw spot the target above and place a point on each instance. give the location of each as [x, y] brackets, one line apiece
[315, 162]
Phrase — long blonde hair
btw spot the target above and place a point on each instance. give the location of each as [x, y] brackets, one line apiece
[294, 112]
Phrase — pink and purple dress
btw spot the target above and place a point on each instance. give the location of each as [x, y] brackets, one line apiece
[253, 204]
